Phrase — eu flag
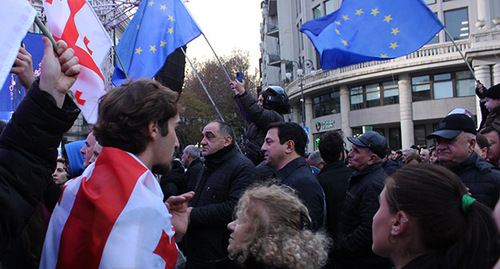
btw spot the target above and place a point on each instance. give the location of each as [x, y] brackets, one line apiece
[362, 31]
[158, 28]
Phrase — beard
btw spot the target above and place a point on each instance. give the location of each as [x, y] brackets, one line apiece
[161, 169]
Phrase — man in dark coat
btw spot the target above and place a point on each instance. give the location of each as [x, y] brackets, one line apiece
[333, 177]
[455, 143]
[28, 144]
[353, 241]
[259, 114]
[284, 149]
[191, 160]
[226, 174]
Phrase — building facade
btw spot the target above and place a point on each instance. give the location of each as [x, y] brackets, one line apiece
[403, 98]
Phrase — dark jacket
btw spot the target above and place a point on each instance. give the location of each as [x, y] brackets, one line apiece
[493, 119]
[481, 177]
[173, 182]
[297, 175]
[259, 120]
[226, 174]
[191, 175]
[334, 178]
[28, 152]
[390, 166]
[353, 244]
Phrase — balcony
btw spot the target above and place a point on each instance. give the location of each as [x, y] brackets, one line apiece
[274, 59]
[272, 30]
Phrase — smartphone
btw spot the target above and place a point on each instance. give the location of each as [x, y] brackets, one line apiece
[239, 76]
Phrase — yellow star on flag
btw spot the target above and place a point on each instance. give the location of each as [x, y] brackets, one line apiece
[375, 12]
[395, 31]
[170, 30]
[170, 18]
[344, 42]
[383, 55]
[337, 31]
[394, 45]
[163, 7]
[388, 18]
[151, 3]
[359, 11]
[138, 50]
[152, 48]
[163, 43]
[338, 23]
[138, 26]
[345, 17]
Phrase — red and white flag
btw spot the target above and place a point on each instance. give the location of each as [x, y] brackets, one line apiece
[75, 22]
[112, 216]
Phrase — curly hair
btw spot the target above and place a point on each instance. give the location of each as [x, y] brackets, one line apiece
[276, 235]
[126, 111]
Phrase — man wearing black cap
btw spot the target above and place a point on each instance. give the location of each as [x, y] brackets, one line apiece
[455, 143]
[492, 103]
[352, 247]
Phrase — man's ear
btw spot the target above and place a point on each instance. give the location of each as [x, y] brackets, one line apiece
[289, 146]
[153, 129]
[373, 158]
[228, 140]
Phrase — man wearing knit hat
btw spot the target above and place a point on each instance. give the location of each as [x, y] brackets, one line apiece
[492, 103]
[455, 143]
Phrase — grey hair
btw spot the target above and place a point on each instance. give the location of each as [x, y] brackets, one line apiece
[193, 151]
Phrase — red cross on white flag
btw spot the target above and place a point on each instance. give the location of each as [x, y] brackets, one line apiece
[76, 23]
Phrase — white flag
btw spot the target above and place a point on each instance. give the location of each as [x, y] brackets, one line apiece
[16, 17]
[76, 23]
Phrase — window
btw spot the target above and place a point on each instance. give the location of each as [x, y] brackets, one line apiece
[329, 8]
[376, 94]
[435, 39]
[440, 86]
[326, 104]
[316, 12]
[391, 92]
[419, 131]
[395, 138]
[457, 24]
[357, 98]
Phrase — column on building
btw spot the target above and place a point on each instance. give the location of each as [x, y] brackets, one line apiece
[496, 74]
[483, 17]
[309, 118]
[483, 74]
[405, 111]
[344, 109]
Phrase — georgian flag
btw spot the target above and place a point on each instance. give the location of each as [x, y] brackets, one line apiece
[112, 216]
[75, 22]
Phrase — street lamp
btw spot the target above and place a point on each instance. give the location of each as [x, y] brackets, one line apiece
[300, 73]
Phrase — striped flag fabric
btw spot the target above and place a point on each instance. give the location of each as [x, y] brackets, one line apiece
[112, 216]
[76, 23]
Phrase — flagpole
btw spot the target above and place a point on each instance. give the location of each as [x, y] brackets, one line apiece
[120, 61]
[208, 94]
[216, 56]
[463, 57]
[46, 33]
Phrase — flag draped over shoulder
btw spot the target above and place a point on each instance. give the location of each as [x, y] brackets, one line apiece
[16, 17]
[75, 22]
[368, 30]
[158, 28]
[112, 216]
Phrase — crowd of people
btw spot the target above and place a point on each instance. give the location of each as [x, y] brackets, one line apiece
[119, 199]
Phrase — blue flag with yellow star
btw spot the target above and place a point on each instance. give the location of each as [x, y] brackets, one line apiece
[362, 31]
[158, 28]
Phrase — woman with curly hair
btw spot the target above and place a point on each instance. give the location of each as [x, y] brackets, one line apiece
[427, 220]
[272, 230]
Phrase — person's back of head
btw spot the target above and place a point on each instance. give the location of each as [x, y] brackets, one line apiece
[315, 159]
[126, 111]
[413, 157]
[291, 131]
[193, 151]
[278, 233]
[331, 146]
[449, 223]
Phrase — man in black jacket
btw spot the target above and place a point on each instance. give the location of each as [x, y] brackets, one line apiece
[191, 160]
[28, 145]
[226, 174]
[353, 242]
[284, 149]
[455, 143]
[333, 177]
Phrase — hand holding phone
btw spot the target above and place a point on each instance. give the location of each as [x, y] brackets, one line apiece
[239, 76]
